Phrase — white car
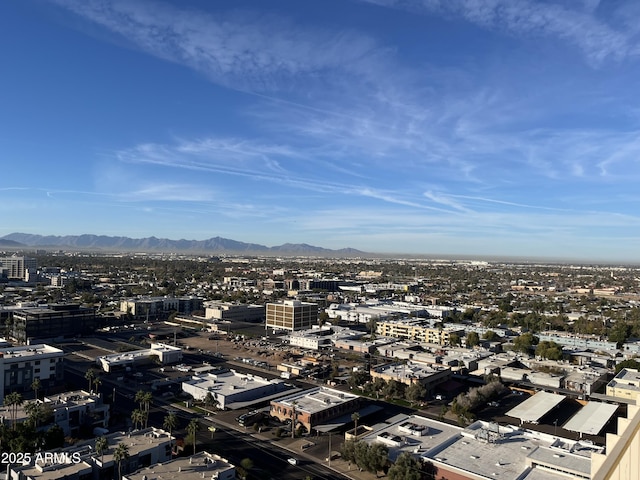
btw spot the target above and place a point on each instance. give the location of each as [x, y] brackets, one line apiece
[292, 461]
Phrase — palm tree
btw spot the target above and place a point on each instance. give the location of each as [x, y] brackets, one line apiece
[89, 376]
[96, 383]
[102, 445]
[137, 417]
[355, 417]
[36, 385]
[192, 429]
[170, 422]
[144, 399]
[13, 400]
[37, 412]
[121, 453]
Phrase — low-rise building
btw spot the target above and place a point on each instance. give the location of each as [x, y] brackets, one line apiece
[82, 462]
[36, 324]
[19, 366]
[196, 467]
[234, 312]
[313, 408]
[625, 385]
[418, 330]
[163, 353]
[430, 376]
[159, 307]
[231, 389]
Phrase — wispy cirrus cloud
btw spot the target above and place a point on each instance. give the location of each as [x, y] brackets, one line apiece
[240, 50]
[576, 24]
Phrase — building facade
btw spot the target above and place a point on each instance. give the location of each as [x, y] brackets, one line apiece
[291, 315]
[226, 311]
[159, 307]
[314, 407]
[31, 325]
[19, 366]
[18, 268]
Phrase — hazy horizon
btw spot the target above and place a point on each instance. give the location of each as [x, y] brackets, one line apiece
[492, 128]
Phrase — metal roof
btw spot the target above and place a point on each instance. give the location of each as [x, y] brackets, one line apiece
[534, 408]
[591, 418]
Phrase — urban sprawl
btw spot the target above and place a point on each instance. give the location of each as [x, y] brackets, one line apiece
[152, 366]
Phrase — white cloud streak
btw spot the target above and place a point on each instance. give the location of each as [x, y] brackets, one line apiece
[598, 40]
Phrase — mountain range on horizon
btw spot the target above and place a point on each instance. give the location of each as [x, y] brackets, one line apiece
[154, 244]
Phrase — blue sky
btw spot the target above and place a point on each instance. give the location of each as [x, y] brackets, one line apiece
[475, 127]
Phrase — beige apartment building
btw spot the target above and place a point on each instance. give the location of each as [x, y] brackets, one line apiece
[418, 330]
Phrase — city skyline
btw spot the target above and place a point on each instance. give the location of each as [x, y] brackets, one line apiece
[489, 128]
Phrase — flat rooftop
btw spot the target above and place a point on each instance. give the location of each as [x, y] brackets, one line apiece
[201, 465]
[29, 351]
[409, 371]
[317, 399]
[491, 451]
[591, 418]
[229, 382]
[411, 433]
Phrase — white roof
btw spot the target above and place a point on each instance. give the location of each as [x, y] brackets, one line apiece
[592, 418]
[534, 408]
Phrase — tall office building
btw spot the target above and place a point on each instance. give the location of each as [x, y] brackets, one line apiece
[292, 315]
[18, 267]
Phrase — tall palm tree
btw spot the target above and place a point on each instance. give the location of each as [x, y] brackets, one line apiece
[137, 417]
[89, 376]
[144, 399]
[170, 422]
[355, 417]
[192, 429]
[13, 400]
[102, 445]
[36, 386]
[121, 453]
[36, 412]
[96, 383]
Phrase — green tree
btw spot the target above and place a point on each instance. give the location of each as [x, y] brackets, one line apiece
[246, 463]
[120, 454]
[415, 392]
[54, 438]
[490, 336]
[90, 375]
[549, 350]
[523, 343]
[192, 430]
[37, 412]
[13, 400]
[377, 457]
[137, 418]
[631, 363]
[144, 400]
[101, 446]
[405, 468]
[454, 340]
[358, 378]
[36, 385]
[170, 422]
[472, 339]
[209, 401]
[355, 416]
